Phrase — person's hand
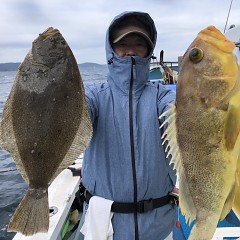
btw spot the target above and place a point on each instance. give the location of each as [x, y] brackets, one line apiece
[175, 190]
[78, 169]
[175, 196]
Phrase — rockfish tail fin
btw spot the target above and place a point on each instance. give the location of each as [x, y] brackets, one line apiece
[32, 214]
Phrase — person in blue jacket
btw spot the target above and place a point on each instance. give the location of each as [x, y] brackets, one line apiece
[125, 161]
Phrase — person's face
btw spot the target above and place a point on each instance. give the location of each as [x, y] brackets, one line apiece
[131, 45]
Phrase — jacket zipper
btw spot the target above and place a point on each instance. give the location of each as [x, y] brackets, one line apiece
[132, 148]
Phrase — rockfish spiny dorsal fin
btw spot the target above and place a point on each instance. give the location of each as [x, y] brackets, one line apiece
[170, 136]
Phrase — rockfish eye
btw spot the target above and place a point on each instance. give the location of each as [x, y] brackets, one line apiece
[196, 55]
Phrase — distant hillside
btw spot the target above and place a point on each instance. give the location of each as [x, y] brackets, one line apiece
[89, 64]
[14, 66]
[9, 67]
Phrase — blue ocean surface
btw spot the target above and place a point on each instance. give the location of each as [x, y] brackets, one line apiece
[12, 186]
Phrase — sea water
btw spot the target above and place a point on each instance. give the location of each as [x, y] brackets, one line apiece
[12, 186]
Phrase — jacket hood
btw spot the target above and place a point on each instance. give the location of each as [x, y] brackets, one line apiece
[120, 67]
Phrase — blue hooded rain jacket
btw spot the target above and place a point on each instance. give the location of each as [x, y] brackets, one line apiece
[125, 161]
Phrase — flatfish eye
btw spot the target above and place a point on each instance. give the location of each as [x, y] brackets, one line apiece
[196, 55]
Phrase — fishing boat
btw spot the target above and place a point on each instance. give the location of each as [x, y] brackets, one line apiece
[63, 189]
[233, 33]
[166, 72]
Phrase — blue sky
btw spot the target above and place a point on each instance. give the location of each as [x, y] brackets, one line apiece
[83, 23]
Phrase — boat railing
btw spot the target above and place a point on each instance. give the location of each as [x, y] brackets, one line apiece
[226, 232]
[172, 65]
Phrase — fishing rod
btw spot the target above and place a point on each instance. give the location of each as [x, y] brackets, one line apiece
[228, 15]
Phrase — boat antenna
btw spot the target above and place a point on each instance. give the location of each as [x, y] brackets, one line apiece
[228, 15]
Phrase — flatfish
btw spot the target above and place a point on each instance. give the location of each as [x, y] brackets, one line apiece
[45, 126]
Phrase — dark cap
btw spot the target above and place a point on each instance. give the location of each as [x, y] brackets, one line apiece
[130, 25]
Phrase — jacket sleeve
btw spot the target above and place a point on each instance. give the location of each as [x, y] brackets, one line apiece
[166, 96]
[91, 95]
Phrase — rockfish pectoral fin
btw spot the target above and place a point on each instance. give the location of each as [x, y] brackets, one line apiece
[232, 125]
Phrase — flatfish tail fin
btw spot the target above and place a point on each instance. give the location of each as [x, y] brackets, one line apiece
[7, 137]
[32, 214]
[80, 142]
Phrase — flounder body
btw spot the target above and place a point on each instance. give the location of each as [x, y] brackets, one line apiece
[203, 132]
[45, 124]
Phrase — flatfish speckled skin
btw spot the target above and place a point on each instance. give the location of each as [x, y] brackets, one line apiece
[203, 132]
[45, 124]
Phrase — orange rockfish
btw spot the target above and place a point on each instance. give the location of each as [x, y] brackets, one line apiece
[203, 132]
